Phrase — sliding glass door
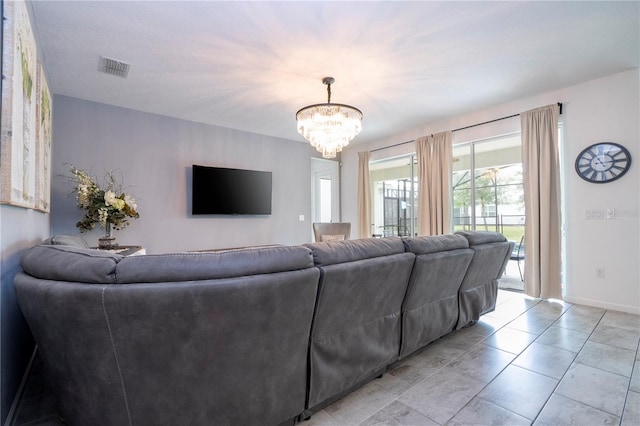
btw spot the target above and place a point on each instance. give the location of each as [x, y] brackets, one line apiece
[488, 192]
[394, 184]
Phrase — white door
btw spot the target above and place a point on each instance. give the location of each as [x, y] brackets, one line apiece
[325, 190]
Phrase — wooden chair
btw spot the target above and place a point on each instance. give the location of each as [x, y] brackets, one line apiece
[331, 231]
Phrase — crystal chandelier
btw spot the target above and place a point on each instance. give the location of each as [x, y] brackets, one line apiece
[329, 127]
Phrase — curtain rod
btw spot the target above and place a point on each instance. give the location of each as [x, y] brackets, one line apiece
[461, 128]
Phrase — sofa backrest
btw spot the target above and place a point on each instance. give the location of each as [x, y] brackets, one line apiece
[302, 325]
[356, 326]
[212, 265]
[334, 252]
[203, 345]
[70, 263]
[67, 240]
[479, 289]
[73, 264]
[430, 308]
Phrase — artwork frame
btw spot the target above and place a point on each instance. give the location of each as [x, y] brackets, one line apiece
[18, 129]
[44, 127]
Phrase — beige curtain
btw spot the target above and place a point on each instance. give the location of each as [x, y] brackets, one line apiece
[541, 167]
[435, 156]
[364, 196]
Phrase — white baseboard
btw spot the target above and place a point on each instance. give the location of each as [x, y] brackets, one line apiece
[23, 384]
[604, 305]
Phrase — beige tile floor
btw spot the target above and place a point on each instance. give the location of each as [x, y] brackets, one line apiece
[528, 362]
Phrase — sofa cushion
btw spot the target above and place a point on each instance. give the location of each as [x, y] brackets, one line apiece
[67, 240]
[69, 263]
[430, 308]
[212, 265]
[482, 237]
[331, 253]
[479, 289]
[435, 243]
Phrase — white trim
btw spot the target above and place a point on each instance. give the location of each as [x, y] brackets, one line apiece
[604, 305]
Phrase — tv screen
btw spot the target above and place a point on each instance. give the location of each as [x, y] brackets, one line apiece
[218, 190]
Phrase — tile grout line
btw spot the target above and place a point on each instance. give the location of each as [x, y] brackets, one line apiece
[526, 347]
[511, 363]
[482, 341]
[500, 372]
[472, 347]
[633, 368]
[572, 362]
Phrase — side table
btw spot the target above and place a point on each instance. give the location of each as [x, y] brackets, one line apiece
[126, 250]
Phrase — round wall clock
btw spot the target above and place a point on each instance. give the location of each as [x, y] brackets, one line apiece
[603, 162]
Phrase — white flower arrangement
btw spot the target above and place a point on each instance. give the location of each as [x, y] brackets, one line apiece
[107, 207]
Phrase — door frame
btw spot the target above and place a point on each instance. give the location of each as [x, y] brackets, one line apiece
[323, 168]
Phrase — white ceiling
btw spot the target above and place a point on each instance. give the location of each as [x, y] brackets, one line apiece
[252, 65]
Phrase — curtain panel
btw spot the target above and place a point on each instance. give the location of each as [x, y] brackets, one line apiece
[435, 156]
[541, 168]
[364, 196]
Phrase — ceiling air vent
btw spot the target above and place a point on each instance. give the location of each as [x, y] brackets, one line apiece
[114, 67]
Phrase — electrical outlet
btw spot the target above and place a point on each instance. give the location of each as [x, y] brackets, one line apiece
[610, 213]
[627, 213]
[599, 272]
[301, 218]
[594, 214]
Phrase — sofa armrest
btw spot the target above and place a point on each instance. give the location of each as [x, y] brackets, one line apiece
[69, 263]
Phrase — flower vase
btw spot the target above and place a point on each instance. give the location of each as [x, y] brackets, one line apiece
[108, 242]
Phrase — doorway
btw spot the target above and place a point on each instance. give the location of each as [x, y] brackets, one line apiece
[325, 190]
[394, 184]
[488, 195]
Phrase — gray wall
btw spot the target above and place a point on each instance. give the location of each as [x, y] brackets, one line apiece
[154, 154]
[19, 229]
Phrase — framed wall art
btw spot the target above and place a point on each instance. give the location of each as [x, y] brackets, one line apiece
[18, 139]
[44, 116]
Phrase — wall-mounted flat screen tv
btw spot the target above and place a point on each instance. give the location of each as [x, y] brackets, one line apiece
[218, 190]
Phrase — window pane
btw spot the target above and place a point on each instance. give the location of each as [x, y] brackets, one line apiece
[494, 200]
[461, 186]
[394, 197]
[499, 197]
[325, 200]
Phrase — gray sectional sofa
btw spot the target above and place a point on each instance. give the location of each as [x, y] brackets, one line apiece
[258, 336]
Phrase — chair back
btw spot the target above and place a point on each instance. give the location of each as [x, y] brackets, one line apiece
[518, 250]
[331, 231]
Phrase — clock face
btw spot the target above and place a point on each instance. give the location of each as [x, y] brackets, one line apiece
[603, 162]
